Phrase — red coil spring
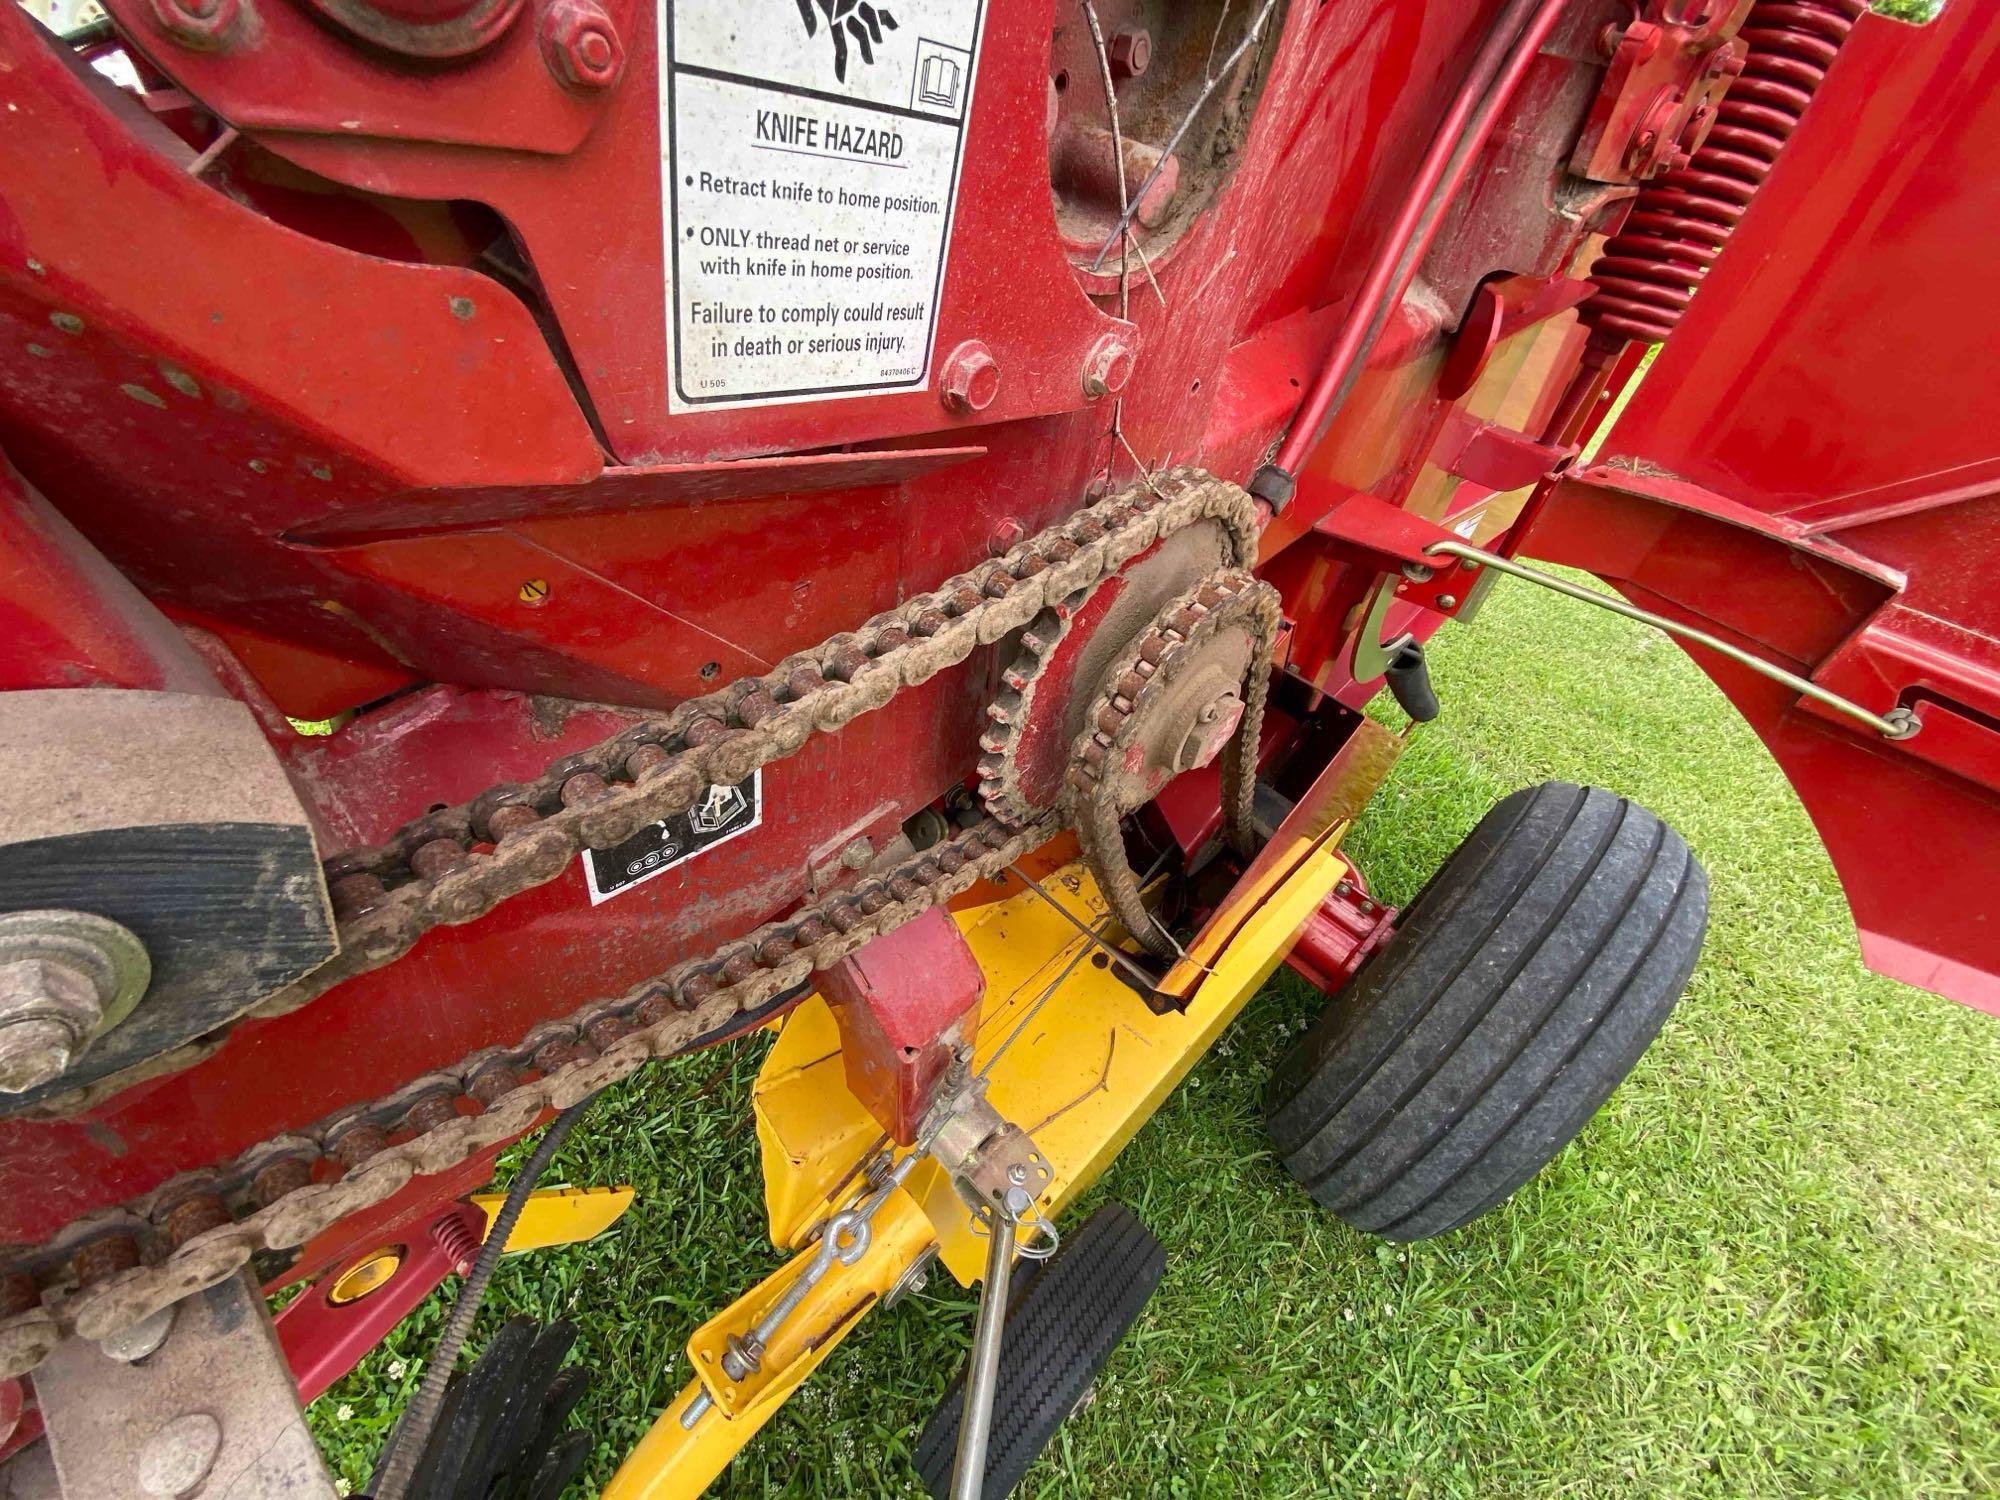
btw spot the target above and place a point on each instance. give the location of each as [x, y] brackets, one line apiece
[458, 1239]
[1681, 220]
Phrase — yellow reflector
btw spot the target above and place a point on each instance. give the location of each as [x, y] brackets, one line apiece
[366, 1276]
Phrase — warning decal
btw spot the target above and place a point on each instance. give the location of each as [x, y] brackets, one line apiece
[718, 815]
[811, 151]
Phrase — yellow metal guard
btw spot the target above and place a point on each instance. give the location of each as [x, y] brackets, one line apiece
[1080, 1078]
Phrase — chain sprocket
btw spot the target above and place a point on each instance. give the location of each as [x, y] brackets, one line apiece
[455, 864]
[1061, 659]
[1135, 738]
[111, 1269]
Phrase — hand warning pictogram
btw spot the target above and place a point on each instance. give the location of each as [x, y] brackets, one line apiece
[844, 19]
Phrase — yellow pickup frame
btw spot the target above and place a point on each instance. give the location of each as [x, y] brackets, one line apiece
[1081, 1078]
[557, 1216]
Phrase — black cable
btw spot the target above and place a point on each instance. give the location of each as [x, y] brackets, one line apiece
[413, 1430]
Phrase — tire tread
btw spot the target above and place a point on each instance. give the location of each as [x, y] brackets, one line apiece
[1520, 988]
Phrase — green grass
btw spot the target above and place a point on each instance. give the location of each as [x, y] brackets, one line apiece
[1768, 1267]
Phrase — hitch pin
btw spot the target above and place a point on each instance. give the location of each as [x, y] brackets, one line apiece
[1898, 724]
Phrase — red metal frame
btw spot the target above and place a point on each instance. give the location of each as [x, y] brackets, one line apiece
[341, 470]
[322, 1340]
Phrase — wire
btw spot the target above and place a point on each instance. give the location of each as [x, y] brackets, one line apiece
[413, 1430]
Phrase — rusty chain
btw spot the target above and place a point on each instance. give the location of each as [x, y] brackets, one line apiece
[111, 1269]
[1143, 676]
[455, 864]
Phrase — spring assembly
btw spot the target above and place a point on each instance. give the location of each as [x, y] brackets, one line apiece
[1682, 219]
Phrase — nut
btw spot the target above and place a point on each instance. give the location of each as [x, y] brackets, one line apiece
[1108, 366]
[47, 1010]
[204, 25]
[970, 378]
[1130, 53]
[1213, 725]
[580, 45]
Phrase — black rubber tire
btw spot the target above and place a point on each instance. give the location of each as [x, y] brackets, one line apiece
[1517, 992]
[1062, 1324]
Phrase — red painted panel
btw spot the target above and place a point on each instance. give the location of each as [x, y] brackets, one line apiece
[1828, 387]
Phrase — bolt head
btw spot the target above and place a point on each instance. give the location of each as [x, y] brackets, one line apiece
[203, 25]
[47, 1009]
[178, 1457]
[144, 1337]
[1108, 366]
[580, 45]
[1214, 723]
[970, 378]
[1006, 535]
[1130, 53]
[32, 1053]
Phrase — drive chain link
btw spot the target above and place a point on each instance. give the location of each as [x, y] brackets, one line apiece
[110, 1270]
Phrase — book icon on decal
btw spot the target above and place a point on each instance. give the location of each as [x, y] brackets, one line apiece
[938, 80]
[719, 807]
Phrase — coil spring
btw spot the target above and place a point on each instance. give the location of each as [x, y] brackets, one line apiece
[1682, 219]
[459, 1241]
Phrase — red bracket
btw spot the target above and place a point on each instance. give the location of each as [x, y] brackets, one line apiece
[1379, 536]
[1340, 935]
[1669, 70]
[905, 1003]
[323, 1339]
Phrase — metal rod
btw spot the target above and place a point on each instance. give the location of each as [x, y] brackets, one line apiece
[1123, 959]
[1897, 724]
[1495, 74]
[1124, 223]
[982, 1373]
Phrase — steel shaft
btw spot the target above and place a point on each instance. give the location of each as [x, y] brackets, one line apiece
[982, 1376]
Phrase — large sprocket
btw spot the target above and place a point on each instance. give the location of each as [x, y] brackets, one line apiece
[1189, 689]
[1060, 663]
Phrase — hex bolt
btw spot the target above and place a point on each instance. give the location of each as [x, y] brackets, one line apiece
[1130, 52]
[970, 378]
[178, 1457]
[580, 45]
[1108, 366]
[1007, 534]
[65, 976]
[202, 25]
[47, 1009]
[32, 1053]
